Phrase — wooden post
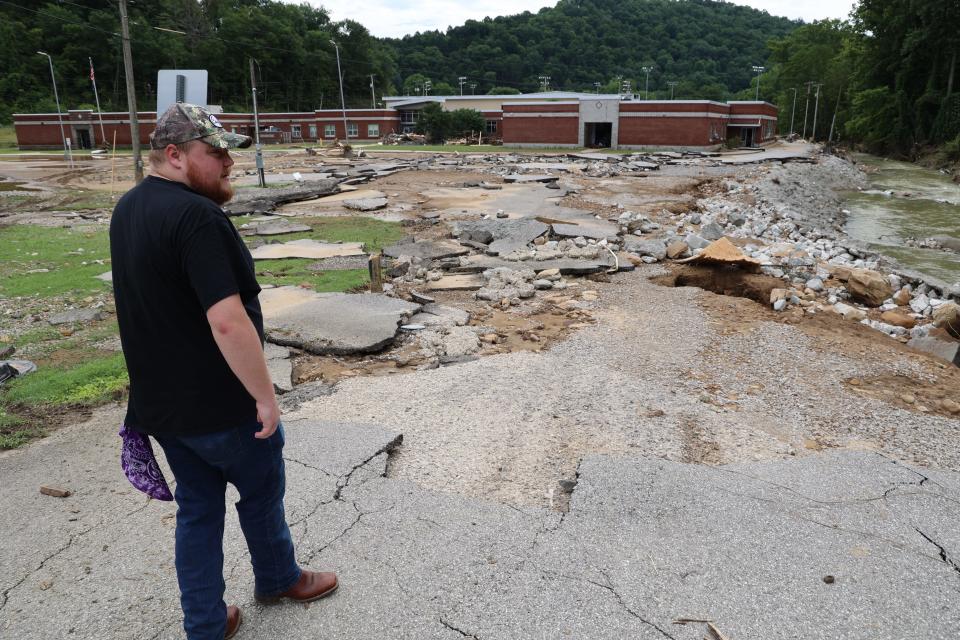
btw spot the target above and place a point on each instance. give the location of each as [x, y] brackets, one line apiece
[376, 273]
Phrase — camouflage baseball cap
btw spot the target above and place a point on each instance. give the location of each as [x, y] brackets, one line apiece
[183, 122]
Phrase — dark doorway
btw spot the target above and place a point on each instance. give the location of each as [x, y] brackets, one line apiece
[746, 136]
[598, 134]
[83, 139]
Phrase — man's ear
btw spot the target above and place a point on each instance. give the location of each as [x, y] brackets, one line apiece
[174, 156]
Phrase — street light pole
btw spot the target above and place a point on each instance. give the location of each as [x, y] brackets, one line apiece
[256, 127]
[759, 70]
[816, 106]
[806, 108]
[646, 86]
[373, 94]
[343, 102]
[56, 97]
[793, 109]
[131, 93]
[462, 80]
[672, 84]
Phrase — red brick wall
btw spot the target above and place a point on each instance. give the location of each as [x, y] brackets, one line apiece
[545, 130]
[667, 131]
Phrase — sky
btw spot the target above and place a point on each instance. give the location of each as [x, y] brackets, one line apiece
[395, 18]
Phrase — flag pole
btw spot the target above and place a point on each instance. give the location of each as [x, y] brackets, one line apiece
[96, 97]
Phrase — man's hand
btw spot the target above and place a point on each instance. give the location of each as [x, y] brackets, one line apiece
[268, 414]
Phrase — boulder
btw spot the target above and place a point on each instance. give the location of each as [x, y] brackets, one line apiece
[902, 297]
[938, 343]
[653, 248]
[947, 317]
[868, 287]
[899, 319]
[677, 249]
[711, 231]
[849, 313]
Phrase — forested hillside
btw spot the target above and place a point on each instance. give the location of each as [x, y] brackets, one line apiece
[707, 47]
[889, 74]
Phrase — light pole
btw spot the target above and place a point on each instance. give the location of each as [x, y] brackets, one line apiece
[596, 85]
[545, 83]
[758, 70]
[672, 84]
[373, 94]
[473, 87]
[646, 86]
[56, 97]
[806, 108]
[427, 85]
[793, 109]
[343, 102]
[816, 107]
[256, 128]
[461, 80]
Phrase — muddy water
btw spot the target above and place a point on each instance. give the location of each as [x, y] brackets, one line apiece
[906, 201]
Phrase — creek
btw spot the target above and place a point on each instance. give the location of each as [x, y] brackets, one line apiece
[902, 202]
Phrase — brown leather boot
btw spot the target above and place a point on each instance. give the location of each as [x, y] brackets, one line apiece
[234, 618]
[311, 586]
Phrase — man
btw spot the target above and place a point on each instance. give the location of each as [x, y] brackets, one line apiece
[192, 335]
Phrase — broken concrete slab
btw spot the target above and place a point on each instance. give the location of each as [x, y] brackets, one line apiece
[588, 227]
[465, 282]
[365, 204]
[340, 263]
[458, 316]
[306, 248]
[73, 316]
[938, 343]
[566, 266]
[333, 323]
[257, 200]
[724, 252]
[506, 235]
[426, 249]
[521, 178]
[280, 367]
[595, 157]
[279, 227]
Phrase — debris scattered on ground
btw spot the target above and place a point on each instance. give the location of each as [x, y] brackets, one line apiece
[55, 492]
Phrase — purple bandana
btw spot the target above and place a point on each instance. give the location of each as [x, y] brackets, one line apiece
[140, 466]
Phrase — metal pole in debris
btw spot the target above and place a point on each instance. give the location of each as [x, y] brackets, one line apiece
[56, 97]
[343, 102]
[793, 109]
[816, 106]
[131, 93]
[833, 121]
[256, 127]
[96, 97]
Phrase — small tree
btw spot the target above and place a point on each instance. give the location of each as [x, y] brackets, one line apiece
[503, 91]
[438, 125]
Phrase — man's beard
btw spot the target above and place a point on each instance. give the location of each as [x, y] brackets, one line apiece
[210, 187]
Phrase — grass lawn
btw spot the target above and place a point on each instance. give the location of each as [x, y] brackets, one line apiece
[43, 262]
[8, 137]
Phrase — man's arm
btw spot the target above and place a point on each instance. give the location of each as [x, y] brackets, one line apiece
[240, 345]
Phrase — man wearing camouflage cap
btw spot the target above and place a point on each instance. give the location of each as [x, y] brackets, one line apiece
[192, 335]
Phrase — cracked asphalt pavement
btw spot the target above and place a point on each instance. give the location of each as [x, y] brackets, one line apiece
[836, 545]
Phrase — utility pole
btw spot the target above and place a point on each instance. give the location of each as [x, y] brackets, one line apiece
[793, 109]
[461, 80]
[96, 96]
[833, 121]
[625, 88]
[56, 97]
[646, 87]
[816, 105]
[256, 127]
[544, 83]
[806, 108]
[343, 102]
[373, 95]
[473, 86]
[427, 85]
[131, 93]
[672, 84]
[758, 70]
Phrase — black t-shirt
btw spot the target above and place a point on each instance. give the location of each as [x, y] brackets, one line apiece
[175, 254]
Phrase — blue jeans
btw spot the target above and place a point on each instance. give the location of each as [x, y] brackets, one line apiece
[202, 466]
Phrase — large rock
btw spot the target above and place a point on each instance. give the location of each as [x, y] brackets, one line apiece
[938, 343]
[868, 287]
[947, 317]
[899, 319]
[332, 323]
[653, 248]
[72, 316]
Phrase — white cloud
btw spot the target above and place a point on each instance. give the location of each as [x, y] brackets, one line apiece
[396, 18]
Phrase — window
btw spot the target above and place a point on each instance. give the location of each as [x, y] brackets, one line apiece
[295, 131]
[313, 131]
[329, 131]
[491, 126]
[373, 130]
[353, 130]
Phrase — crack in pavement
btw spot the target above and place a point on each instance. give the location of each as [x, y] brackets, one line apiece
[944, 556]
[308, 466]
[460, 631]
[344, 481]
